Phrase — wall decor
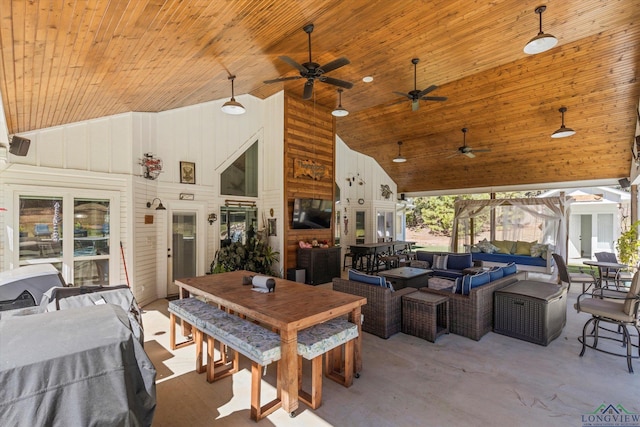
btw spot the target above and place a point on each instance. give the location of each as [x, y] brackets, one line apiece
[272, 227]
[151, 166]
[386, 191]
[309, 169]
[187, 173]
[187, 196]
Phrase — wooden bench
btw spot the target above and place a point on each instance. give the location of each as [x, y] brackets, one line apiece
[260, 345]
[320, 339]
[196, 312]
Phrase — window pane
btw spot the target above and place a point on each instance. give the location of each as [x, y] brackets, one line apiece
[91, 227]
[235, 222]
[40, 222]
[241, 177]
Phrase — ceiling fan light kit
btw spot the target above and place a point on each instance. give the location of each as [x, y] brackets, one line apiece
[312, 71]
[416, 95]
[399, 158]
[541, 42]
[339, 111]
[564, 131]
[232, 106]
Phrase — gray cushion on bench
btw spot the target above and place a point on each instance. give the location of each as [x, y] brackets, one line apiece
[319, 339]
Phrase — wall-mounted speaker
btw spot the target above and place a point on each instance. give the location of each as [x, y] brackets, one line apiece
[19, 146]
[624, 183]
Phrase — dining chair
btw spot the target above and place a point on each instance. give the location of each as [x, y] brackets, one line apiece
[621, 311]
[587, 279]
[617, 275]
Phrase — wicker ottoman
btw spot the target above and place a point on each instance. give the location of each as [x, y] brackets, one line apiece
[531, 311]
[425, 315]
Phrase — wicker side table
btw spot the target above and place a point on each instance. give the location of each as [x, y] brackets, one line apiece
[425, 315]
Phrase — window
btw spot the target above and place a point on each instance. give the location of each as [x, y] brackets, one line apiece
[72, 233]
[241, 177]
[235, 222]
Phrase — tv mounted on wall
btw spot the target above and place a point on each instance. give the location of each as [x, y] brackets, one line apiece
[312, 213]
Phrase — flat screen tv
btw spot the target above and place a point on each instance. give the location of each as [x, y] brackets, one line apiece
[312, 213]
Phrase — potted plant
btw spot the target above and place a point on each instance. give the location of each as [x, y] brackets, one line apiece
[628, 246]
[254, 255]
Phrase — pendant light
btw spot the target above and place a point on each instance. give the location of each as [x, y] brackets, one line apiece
[564, 131]
[339, 111]
[400, 158]
[542, 42]
[232, 106]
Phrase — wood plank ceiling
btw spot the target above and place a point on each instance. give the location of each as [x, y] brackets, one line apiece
[67, 61]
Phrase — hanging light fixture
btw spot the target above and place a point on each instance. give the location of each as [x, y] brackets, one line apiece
[232, 106]
[400, 158]
[339, 111]
[564, 131]
[542, 42]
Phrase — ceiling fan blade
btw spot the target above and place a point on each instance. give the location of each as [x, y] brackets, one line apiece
[336, 63]
[415, 104]
[482, 150]
[427, 90]
[403, 94]
[282, 79]
[469, 154]
[336, 82]
[434, 98]
[308, 90]
[452, 155]
[294, 64]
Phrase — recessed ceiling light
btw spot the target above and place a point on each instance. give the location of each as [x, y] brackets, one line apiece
[367, 79]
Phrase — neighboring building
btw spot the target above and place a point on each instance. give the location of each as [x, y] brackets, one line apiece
[596, 218]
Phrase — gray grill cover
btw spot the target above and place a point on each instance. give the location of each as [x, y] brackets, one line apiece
[75, 367]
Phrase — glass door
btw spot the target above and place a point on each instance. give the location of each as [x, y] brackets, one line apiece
[183, 248]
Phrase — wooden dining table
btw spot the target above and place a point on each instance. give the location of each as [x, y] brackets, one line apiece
[290, 308]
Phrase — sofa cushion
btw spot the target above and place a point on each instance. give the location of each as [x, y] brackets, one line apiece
[510, 268]
[523, 248]
[425, 256]
[465, 283]
[504, 246]
[358, 276]
[440, 262]
[451, 274]
[496, 273]
[459, 261]
[480, 279]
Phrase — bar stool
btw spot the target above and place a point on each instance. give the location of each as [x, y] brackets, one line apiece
[344, 262]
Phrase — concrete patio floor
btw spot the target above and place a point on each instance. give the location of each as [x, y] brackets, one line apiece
[407, 381]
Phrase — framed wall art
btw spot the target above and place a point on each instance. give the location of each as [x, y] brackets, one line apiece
[187, 173]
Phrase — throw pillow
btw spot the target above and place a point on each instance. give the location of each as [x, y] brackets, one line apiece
[440, 262]
[486, 247]
[479, 280]
[523, 248]
[420, 264]
[504, 246]
[357, 276]
[539, 250]
[510, 268]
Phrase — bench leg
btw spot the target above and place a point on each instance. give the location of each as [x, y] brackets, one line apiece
[172, 333]
[217, 369]
[334, 368]
[258, 412]
[313, 399]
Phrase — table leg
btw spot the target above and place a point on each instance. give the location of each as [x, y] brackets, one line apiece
[289, 370]
[355, 317]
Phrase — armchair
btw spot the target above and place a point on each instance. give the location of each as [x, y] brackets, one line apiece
[621, 311]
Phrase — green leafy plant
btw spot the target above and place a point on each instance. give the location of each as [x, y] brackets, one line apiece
[254, 255]
[628, 246]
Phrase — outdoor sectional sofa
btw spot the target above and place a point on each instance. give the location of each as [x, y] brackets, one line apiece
[471, 315]
[456, 263]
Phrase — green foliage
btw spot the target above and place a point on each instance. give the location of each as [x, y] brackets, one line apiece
[628, 245]
[254, 255]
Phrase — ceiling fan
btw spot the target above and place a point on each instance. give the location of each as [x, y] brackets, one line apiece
[416, 95]
[466, 150]
[312, 71]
